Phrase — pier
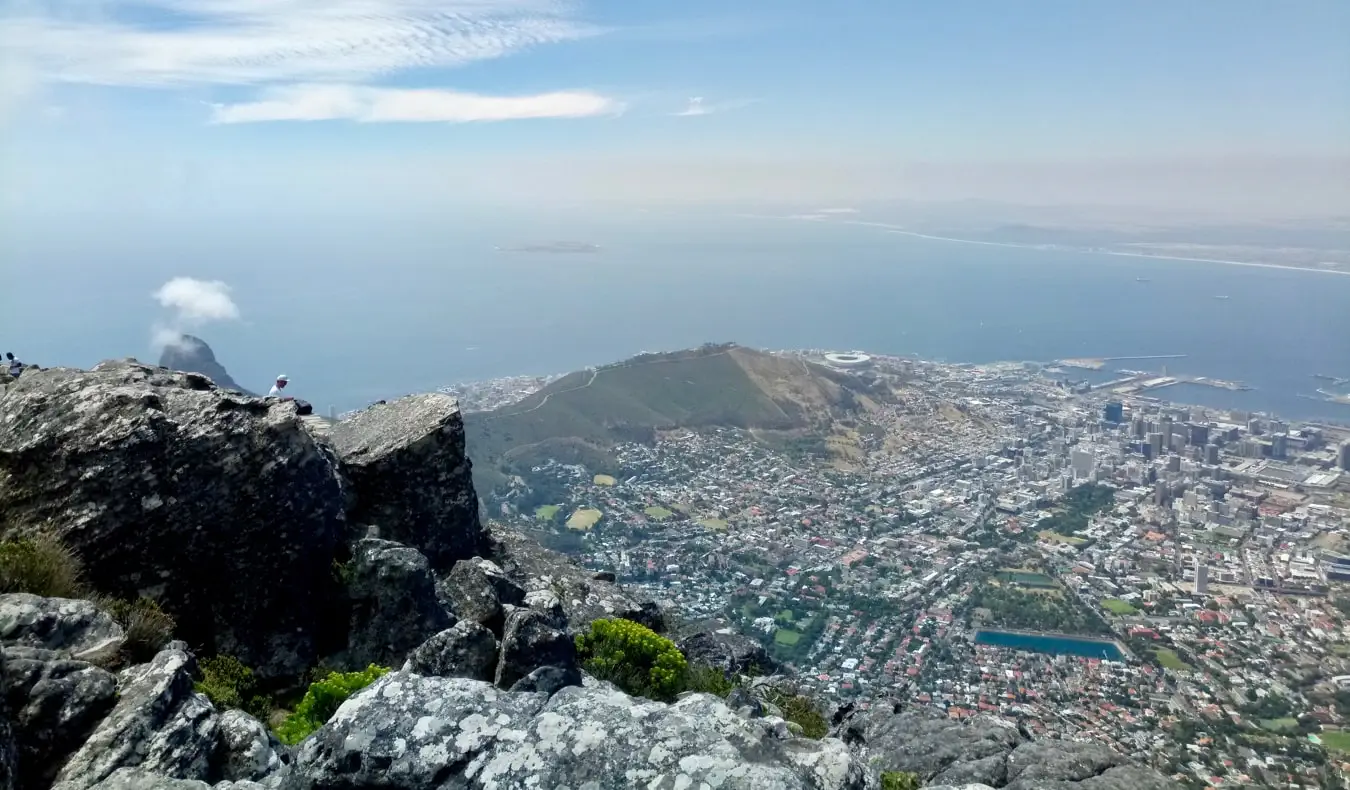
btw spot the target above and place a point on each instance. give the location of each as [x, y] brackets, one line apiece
[1097, 363]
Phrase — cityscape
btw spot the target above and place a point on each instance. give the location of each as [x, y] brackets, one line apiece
[1085, 560]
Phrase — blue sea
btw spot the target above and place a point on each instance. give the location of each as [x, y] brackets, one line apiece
[356, 310]
[1057, 645]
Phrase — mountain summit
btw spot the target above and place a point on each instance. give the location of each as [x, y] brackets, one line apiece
[191, 354]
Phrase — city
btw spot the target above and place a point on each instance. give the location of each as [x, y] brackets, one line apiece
[1089, 562]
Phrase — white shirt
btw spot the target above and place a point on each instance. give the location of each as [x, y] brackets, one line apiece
[275, 392]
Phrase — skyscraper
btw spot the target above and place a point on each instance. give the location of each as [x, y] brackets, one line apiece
[1113, 412]
[1345, 455]
[1212, 454]
[1201, 578]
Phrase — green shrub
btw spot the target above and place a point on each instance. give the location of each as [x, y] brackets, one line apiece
[41, 565]
[147, 627]
[322, 700]
[229, 684]
[899, 780]
[634, 658]
[709, 680]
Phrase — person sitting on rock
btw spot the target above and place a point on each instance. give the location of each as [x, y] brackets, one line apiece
[15, 366]
[275, 392]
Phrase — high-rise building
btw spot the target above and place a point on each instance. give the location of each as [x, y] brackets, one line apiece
[1201, 578]
[1160, 493]
[1344, 458]
[1279, 445]
[1155, 444]
[1212, 454]
[1254, 427]
[1114, 412]
[1174, 463]
[1165, 428]
[1199, 435]
[1083, 462]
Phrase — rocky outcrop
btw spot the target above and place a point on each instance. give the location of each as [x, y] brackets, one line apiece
[192, 355]
[221, 507]
[393, 603]
[245, 749]
[9, 767]
[532, 639]
[468, 650]
[55, 703]
[583, 597]
[413, 732]
[159, 724]
[476, 589]
[75, 627]
[729, 651]
[409, 475]
[986, 751]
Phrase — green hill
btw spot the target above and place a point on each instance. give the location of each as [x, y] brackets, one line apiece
[578, 417]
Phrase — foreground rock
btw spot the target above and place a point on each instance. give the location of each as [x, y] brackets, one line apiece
[729, 651]
[77, 628]
[468, 650]
[55, 703]
[410, 476]
[988, 751]
[476, 589]
[159, 724]
[410, 732]
[530, 640]
[393, 601]
[219, 506]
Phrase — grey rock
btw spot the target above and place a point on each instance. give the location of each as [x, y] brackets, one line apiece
[77, 627]
[958, 787]
[170, 487]
[159, 724]
[991, 770]
[583, 597]
[546, 602]
[549, 680]
[741, 699]
[467, 650]
[1066, 765]
[192, 355]
[245, 749]
[729, 651]
[605, 576]
[394, 607]
[927, 743]
[476, 589]
[9, 767]
[54, 702]
[137, 779]
[409, 474]
[531, 640]
[413, 732]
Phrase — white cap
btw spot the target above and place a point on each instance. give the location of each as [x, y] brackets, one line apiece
[282, 377]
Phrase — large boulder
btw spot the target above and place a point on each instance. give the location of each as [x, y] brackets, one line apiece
[159, 724]
[9, 767]
[407, 732]
[727, 650]
[409, 475]
[467, 650]
[583, 597]
[394, 603]
[476, 589]
[54, 702]
[219, 506]
[246, 750]
[76, 627]
[530, 640]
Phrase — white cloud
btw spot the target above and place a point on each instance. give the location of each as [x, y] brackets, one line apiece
[254, 42]
[697, 106]
[192, 303]
[376, 105]
[836, 211]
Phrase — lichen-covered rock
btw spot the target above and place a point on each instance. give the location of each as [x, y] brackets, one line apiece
[76, 627]
[9, 768]
[245, 749]
[583, 597]
[54, 703]
[549, 680]
[467, 650]
[137, 779]
[476, 589]
[219, 506]
[409, 474]
[159, 724]
[727, 650]
[531, 639]
[407, 732]
[1066, 765]
[394, 607]
[927, 743]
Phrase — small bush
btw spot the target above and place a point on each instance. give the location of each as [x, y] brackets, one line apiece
[801, 710]
[147, 627]
[322, 700]
[709, 680]
[899, 780]
[634, 658]
[229, 684]
[40, 565]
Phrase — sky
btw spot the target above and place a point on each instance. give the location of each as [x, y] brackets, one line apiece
[219, 108]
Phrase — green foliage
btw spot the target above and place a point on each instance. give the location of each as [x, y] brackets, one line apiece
[709, 680]
[147, 627]
[1077, 507]
[322, 700]
[1014, 608]
[634, 658]
[899, 780]
[40, 565]
[229, 684]
[801, 710]
[342, 573]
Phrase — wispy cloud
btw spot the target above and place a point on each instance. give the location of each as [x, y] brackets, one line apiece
[842, 210]
[375, 105]
[250, 42]
[697, 106]
[191, 303]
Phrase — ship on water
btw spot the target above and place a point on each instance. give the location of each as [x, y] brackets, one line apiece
[1142, 280]
[1222, 296]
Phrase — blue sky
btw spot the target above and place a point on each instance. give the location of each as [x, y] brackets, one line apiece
[356, 103]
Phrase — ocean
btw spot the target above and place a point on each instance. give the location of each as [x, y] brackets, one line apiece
[355, 311]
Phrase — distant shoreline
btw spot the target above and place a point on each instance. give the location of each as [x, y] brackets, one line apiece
[898, 229]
